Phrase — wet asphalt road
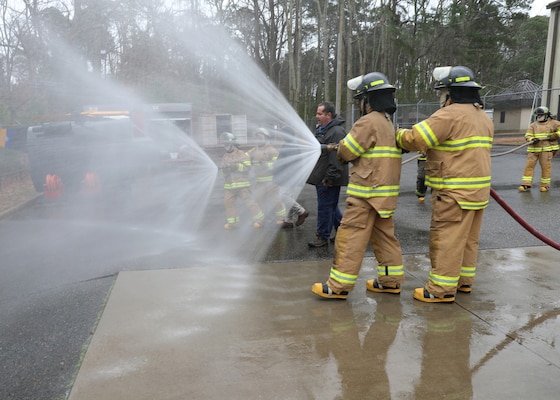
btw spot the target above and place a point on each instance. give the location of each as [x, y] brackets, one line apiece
[51, 298]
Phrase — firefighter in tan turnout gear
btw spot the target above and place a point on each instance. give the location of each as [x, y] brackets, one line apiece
[263, 157]
[235, 168]
[457, 140]
[543, 135]
[371, 195]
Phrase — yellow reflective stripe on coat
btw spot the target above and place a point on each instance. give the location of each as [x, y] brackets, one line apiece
[244, 164]
[352, 145]
[427, 134]
[390, 270]
[345, 279]
[532, 149]
[472, 142]
[539, 135]
[477, 182]
[237, 185]
[440, 280]
[372, 191]
[473, 205]
[383, 152]
[468, 272]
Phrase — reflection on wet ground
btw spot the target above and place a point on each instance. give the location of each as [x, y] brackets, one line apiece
[257, 332]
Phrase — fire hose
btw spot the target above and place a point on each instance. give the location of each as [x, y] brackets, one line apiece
[495, 196]
[516, 216]
[522, 222]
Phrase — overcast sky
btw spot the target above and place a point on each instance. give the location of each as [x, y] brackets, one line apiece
[539, 8]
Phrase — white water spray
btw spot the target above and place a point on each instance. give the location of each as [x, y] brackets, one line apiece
[174, 200]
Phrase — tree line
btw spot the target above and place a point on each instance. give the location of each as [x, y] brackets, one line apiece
[308, 48]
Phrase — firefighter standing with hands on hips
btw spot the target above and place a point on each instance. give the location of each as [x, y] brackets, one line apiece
[235, 168]
[543, 133]
[371, 194]
[457, 140]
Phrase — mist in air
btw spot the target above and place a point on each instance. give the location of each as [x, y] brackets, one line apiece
[158, 189]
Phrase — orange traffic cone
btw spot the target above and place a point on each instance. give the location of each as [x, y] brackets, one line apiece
[92, 184]
[53, 186]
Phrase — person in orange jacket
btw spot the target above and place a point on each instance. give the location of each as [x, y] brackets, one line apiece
[543, 135]
[457, 140]
[371, 197]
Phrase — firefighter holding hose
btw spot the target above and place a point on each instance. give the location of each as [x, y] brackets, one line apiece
[457, 140]
[371, 195]
[543, 135]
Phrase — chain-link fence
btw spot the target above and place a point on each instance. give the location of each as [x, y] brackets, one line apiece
[512, 109]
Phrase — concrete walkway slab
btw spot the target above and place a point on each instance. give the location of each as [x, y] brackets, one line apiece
[257, 332]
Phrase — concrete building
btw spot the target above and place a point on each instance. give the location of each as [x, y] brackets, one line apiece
[513, 107]
[551, 81]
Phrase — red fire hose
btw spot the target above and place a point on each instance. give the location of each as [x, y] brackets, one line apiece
[522, 222]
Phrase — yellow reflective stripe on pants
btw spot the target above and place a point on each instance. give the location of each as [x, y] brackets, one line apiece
[343, 278]
[468, 271]
[390, 270]
[450, 281]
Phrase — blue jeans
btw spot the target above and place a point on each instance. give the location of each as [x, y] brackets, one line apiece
[328, 213]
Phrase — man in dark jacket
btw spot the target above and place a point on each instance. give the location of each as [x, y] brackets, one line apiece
[329, 174]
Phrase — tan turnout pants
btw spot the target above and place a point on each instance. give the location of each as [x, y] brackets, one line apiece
[360, 225]
[244, 194]
[545, 160]
[454, 234]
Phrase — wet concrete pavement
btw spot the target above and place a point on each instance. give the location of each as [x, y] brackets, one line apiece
[255, 332]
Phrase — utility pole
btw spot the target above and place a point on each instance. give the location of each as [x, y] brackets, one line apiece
[339, 55]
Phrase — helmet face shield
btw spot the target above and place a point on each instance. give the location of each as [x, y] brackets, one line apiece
[440, 75]
[356, 84]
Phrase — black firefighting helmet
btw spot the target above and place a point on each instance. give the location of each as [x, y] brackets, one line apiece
[368, 83]
[459, 76]
[542, 110]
